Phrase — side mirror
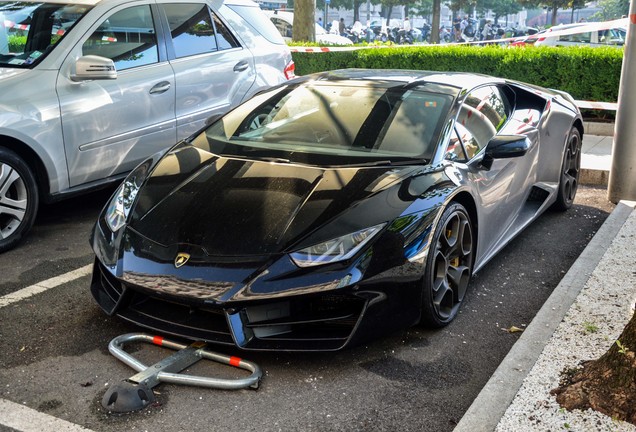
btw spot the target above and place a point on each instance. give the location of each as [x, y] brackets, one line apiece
[503, 147]
[92, 67]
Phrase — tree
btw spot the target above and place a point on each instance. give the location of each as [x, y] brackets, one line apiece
[388, 5]
[499, 7]
[303, 28]
[576, 4]
[552, 6]
[611, 9]
[607, 384]
[345, 4]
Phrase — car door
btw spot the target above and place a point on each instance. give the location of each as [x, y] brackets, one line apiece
[213, 72]
[110, 126]
[502, 189]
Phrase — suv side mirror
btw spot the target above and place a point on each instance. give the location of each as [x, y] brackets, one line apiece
[92, 67]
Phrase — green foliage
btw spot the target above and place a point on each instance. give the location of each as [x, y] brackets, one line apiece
[586, 73]
[17, 43]
[611, 9]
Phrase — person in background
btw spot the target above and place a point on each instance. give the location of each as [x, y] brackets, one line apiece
[320, 21]
[486, 33]
[407, 25]
[341, 27]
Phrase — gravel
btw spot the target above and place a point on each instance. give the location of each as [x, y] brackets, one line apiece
[591, 326]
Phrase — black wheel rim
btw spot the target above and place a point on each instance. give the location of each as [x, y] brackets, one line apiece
[13, 200]
[571, 168]
[453, 259]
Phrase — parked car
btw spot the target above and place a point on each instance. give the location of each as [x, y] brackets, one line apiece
[335, 207]
[89, 88]
[284, 22]
[579, 34]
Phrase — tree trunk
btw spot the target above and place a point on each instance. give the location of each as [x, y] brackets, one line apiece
[437, 10]
[303, 27]
[356, 10]
[608, 384]
[555, 13]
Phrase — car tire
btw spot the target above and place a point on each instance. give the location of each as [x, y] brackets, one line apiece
[570, 170]
[449, 267]
[18, 199]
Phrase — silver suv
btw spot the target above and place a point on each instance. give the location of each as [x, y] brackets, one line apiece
[89, 88]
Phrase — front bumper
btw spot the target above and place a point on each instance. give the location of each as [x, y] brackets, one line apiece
[314, 322]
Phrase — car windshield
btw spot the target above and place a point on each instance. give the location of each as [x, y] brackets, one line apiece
[335, 123]
[29, 31]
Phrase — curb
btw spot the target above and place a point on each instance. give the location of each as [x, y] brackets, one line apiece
[597, 128]
[593, 177]
[492, 402]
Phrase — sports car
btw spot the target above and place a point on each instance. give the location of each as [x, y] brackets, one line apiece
[334, 208]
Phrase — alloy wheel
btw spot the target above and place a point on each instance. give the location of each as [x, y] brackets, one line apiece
[453, 257]
[13, 200]
[571, 168]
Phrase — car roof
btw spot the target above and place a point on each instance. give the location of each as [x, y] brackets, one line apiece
[459, 80]
[215, 3]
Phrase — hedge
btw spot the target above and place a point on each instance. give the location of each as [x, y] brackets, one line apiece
[586, 73]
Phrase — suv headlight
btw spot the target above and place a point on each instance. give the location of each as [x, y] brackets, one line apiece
[122, 201]
[338, 249]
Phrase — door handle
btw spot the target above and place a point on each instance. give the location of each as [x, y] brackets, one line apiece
[241, 66]
[161, 87]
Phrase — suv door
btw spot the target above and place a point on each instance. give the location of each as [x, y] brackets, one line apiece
[213, 72]
[110, 126]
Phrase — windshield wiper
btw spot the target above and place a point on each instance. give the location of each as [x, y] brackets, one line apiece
[386, 163]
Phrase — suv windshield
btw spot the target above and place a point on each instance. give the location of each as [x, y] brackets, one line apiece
[335, 123]
[29, 31]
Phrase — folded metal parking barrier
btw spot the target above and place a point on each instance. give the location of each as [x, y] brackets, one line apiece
[136, 392]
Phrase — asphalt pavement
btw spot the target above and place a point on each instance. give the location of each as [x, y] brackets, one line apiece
[517, 397]
[55, 366]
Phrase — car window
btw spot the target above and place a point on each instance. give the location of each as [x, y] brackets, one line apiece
[483, 113]
[258, 21]
[195, 29]
[127, 37]
[191, 29]
[224, 37]
[362, 121]
[455, 150]
[28, 31]
[283, 27]
[577, 37]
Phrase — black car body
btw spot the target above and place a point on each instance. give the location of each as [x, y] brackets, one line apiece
[334, 208]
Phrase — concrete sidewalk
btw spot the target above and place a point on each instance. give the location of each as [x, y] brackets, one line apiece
[582, 318]
[596, 159]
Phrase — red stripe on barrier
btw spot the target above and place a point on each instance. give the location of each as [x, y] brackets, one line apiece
[234, 361]
[157, 340]
[632, 18]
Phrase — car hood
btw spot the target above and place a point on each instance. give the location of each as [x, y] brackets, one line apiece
[238, 207]
[6, 73]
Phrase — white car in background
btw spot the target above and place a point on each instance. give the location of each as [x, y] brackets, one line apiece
[91, 88]
[285, 20]
[581, 34]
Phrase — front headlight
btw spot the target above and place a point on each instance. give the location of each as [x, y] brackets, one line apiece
[122, 201]
[338, 249]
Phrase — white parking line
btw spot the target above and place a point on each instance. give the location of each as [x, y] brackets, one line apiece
[44, 285]
[20, 417]
[25, 419]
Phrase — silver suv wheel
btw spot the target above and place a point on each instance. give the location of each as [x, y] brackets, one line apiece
[18, 199]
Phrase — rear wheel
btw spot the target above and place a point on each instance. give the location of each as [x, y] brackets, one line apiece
[18, 199]
[570, 170]
[448, 267]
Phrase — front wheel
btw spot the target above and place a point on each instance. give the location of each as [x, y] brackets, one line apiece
[448, 267]
[18, 199]
[570, 170]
